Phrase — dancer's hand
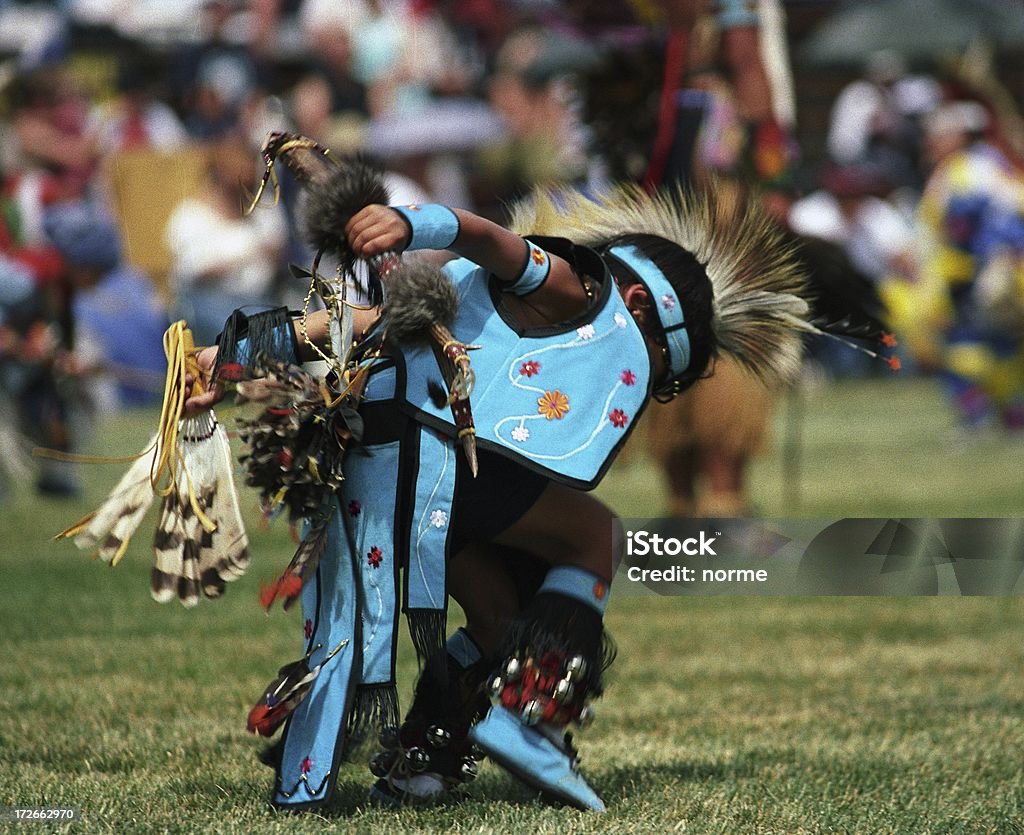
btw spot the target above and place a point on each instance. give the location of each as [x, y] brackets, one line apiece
[198, 400]
[376, 229]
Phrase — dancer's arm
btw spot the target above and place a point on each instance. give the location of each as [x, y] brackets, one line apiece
[555, 291]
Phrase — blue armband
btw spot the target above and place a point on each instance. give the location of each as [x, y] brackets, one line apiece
[431, 225]
[731, 14]
[534, 274]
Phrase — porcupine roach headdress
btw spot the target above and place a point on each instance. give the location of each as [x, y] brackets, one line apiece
[759, 310]
[200, 542]
[418, 306]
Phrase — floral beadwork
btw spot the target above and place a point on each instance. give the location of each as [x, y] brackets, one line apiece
[628, 377]
[620, 320]
[668, 301]
[618, 418]
[307, 765]
[553, 405]
[585, 332]
[537, 255]
[438, 518]
[520, 433]
[308, 628]
[375, 557]
[529, 368]
[353, 508]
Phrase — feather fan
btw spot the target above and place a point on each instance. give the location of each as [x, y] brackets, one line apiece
[200, 542]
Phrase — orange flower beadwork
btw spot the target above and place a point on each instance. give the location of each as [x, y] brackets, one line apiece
[538, 255]
[553, 405]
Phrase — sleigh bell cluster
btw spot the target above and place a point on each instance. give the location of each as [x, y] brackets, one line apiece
[435, 750]
[552, 689]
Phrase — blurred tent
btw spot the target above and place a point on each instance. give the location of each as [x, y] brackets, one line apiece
[915, 29]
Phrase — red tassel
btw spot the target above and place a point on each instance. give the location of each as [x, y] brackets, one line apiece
[265, 721]
[231, 371]
[268, 594]
[257, 722]
[288, 586]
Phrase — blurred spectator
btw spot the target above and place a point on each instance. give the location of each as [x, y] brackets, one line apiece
[877, 119]
[223, 259]
[48, 121]
[136, 119]
[331, 43]
[18, 306]
[531, 90]
[314, 113]
[34, 33]
[36, 367]
[851, 209]
[969, 213]
[403, 53]
[118, 319]
[213, 78]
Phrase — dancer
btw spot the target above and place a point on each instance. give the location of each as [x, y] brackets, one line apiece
[574, 339]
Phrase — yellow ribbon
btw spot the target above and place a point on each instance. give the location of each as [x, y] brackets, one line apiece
[181, 354]
[181, 360]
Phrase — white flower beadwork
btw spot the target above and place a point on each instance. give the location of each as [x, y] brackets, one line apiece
[668, 301]
[438, 518]
[585, 332]
[620, 320]
[520, 433]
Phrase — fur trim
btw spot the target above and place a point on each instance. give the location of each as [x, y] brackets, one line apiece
[418, 296]
[333, 201]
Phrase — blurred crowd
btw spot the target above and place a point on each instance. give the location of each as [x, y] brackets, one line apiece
[131, 135]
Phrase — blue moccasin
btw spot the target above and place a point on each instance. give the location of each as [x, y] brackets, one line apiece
[529, 755]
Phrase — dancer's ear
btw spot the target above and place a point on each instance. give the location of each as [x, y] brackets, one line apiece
[638, 300]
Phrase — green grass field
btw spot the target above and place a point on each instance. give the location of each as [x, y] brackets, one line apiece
[724, 714]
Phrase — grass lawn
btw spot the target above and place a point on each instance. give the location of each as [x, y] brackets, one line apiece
[725, 714]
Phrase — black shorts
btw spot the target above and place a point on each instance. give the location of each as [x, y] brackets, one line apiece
[488, 504]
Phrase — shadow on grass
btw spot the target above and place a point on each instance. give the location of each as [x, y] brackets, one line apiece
[615, 784]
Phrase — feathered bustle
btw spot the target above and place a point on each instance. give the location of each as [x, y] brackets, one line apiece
[759, 311]
[296, 443]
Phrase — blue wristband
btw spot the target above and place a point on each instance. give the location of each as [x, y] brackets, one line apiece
[432, 226]
[534, 274]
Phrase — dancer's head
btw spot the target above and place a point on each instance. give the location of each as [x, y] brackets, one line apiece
[670, 296]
